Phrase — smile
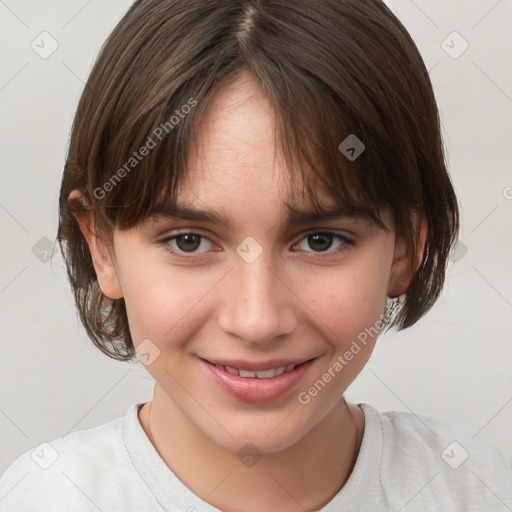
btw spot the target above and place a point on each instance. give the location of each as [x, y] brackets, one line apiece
[257, 382]
[264, 374]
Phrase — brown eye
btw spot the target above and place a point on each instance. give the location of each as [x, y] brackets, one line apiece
[188, 245]
[320, 242]
[188, 242]
[323, 242]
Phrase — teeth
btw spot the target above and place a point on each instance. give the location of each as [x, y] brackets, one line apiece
[265, 374]
[231, 370]
[247, 373]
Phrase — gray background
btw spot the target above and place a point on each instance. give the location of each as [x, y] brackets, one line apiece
[454, 364]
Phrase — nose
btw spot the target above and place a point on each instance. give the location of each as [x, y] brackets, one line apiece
[258, 305]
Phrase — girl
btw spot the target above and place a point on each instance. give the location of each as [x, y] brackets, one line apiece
[254, 190]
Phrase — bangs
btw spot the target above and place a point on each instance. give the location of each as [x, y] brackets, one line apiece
[307, 141]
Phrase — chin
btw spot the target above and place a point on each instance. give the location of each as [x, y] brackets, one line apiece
[256, 434]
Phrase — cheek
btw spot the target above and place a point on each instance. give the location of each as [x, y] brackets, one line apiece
[348, 319]
[161, 303]
[348, 299]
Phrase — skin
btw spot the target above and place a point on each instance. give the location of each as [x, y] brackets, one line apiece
[305, 303]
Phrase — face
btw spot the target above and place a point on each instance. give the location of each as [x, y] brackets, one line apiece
[213, 302]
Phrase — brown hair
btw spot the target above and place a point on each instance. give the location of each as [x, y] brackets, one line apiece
[330, 68]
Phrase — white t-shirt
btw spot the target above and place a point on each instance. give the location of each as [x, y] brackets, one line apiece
[406, 463]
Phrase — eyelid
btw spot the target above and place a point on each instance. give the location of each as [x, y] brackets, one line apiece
[187, 231]
[344, 239]
[327, 231]
[172, 235]
[191, 257]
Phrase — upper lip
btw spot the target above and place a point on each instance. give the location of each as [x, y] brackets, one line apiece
[255, 366]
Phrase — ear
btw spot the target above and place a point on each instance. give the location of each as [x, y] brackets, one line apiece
[401, 271]
[101, 257]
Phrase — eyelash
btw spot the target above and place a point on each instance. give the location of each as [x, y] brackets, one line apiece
[345, 242]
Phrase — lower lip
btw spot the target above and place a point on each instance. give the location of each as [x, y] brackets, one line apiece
[256, 390]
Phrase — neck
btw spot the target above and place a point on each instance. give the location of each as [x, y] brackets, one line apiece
[305, 476]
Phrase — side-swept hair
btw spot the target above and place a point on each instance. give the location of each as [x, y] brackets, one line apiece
[330, 68]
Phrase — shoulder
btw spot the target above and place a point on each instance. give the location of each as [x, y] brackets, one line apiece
[434, 439]
[79, 468]
[438, 460]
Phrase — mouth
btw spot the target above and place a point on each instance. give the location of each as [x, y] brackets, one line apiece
[262, 374]
[257, 382]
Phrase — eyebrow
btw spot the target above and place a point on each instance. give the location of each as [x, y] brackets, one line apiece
[294, 216]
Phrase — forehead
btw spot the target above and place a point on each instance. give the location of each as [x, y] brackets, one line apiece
[228, 196]
[235, 168]
[233, 147]
[235, 134]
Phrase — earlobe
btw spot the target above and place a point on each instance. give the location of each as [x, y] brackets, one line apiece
[101, 257]
[402, 273]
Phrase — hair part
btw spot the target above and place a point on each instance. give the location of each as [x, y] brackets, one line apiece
[329, 69]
